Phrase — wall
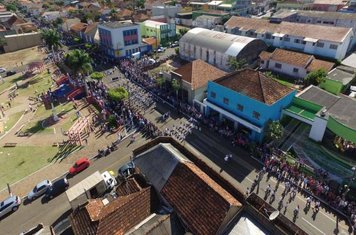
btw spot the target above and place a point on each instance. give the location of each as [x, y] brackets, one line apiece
[287, 69]
[341, 130]
[332, 86]
[318, 129]
[22, 41]
[250, 105]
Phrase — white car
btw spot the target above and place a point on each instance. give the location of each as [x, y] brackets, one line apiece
[9, 204]
[39, 189]
[2, 70]
[110, 181]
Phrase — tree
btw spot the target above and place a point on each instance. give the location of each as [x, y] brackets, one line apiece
[315, 77]
[79, 61]
[183, 31]
[51, 38]
[177, 51]
[140, 4]
[118, 94]
[275, 131]
[236, 64]
[2, 42]
[160, 81]
[97, 76]
[176, 86]
[11, 7]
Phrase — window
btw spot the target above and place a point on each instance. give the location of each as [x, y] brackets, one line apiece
[226, 101]
[213, 94]
[278, 65]
[268, 36]
[295, 70]
[286, 39]
[240, 107]
[296, 40]
[256, 115]
[333, 46]
[320, 44]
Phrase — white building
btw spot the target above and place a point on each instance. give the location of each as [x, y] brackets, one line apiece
[120, 39]
[207, 22]
[293, 64]
[166, 11]
[216, 48]
[331, 42]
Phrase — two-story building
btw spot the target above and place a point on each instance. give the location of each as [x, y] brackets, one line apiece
[120, 39]
[218, 48]
[293, 64]
[248, 99]
[329, 42]
[163, 32]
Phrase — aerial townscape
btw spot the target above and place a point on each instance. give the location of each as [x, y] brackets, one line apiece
[176, 117]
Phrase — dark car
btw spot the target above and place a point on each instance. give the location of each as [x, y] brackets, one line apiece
[9, 73]
[57, 188]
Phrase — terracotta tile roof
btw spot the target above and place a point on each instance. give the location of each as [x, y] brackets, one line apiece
[91, 27]
[291, 57]
[151, 41]
[128, 187]
[320, 64]
[125, 13]
[116, 218]
[198, 73]
[199, 201]
[255, 84]
[333, 34]
[78, 27]
[264, 55]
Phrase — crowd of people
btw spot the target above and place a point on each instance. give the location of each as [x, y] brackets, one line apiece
[317, 186]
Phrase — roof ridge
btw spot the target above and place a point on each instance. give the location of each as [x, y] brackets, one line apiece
[261, 86]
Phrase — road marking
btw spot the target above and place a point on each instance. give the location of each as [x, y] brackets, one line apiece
[313, 226]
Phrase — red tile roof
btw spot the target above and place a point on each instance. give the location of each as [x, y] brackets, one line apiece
[198, 73]
[78, 27]
[199, 201]
[116, 218]
[333, 34]
[255, 84]
[320, 64]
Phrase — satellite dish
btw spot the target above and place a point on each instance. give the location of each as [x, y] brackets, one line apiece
[274, 215]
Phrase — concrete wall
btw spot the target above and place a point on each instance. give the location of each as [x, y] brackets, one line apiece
[22, 41]
[286, 69]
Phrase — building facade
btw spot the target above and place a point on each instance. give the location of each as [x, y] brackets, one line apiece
[163, 32]
[249, 100]
[120, 39]
[329, 42]
[217, 48]
[293, 64]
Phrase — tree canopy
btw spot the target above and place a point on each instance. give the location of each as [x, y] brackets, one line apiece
[118, 94]
[79, 61]
[51, 38]
[236, 64]
[275, 131]
[97, 76]
[315, 77]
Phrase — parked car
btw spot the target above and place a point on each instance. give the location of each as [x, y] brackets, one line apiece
[79, 166]
[9, 204]
[109, 180]
[39, 189]
[2, 70]
[9, 73]
[127, 169]
[57, 188]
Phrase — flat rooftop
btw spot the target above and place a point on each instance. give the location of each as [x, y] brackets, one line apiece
[118, 24]
[341, 107]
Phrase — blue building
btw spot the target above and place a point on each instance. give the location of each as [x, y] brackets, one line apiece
[248, 99]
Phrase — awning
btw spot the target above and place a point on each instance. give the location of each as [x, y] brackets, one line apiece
[84, 185]
[310, 39]
[233, 116]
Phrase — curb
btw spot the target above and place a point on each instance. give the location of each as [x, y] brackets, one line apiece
[13, 126]
[63, 174]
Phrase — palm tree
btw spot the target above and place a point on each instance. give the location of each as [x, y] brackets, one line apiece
[176, 86]
[80, 63]
[51, 38]
[275, 131]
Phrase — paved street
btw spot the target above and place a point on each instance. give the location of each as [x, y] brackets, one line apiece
[240, 171]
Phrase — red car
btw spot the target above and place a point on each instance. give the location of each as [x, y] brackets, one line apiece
[79, 165]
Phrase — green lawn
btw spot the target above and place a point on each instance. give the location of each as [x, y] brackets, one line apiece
[39, 83]
[284, 82]
[21, 161]
[12, 120]
[9, 81]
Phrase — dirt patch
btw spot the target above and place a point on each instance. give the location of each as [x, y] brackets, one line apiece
[26, 56]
